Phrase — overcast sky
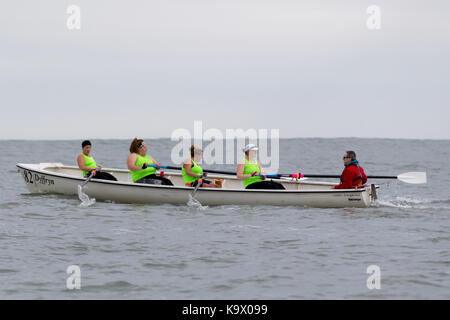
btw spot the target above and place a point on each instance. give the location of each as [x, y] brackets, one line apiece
[145, 68]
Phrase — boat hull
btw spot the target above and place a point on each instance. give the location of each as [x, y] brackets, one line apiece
[59, 179]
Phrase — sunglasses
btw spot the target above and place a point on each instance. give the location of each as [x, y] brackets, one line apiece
[345, 157]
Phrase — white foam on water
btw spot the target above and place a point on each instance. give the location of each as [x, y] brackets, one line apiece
[407, 202]
[392, 204]
[194, 203]
[84, 198]
[412, 200]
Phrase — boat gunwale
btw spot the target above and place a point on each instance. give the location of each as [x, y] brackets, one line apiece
[133, 184]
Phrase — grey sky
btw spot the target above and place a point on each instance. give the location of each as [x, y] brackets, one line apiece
[146, 68]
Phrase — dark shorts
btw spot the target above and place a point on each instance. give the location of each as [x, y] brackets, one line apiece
[194, 184]
[102, 176]
[154, 179]
[266, 185]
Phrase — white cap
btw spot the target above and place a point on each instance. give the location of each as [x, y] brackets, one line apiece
[250, 147]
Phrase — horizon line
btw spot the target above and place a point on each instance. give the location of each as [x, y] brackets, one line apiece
[192, 138]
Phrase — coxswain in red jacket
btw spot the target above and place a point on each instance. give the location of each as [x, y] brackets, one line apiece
[353, 175]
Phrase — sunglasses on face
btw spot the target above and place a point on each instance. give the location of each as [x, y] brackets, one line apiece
[345, 157]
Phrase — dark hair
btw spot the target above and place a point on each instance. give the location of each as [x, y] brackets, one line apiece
[135, 145]
[86, 143]
[351, 154]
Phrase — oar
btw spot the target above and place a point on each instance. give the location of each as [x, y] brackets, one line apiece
[199, 182]
[408, 177]
[93, 173]
[219, 171]
[84, 198]
[205, 170]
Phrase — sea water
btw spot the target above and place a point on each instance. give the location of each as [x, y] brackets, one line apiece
[127, 251]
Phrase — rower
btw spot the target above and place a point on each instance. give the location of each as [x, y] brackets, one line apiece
[250, 171]
[139, 162]
[193, 174]
[353, 175]
[88, 166]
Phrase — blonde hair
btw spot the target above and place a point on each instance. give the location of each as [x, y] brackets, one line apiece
[195, 151]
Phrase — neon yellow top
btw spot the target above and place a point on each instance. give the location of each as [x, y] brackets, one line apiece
[88, 162]
[140, 160]
[249, 169]
[195, 169]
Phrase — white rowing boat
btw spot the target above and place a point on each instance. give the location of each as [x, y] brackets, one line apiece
[59, 179]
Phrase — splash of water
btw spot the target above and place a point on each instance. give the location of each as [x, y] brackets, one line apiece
[85, 201]
[194, 203]
[414, 203]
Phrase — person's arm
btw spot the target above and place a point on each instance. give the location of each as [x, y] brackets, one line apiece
[240, 172]
[81, 165]
[262, 173]
[131, 160]
[154, 162]
[187, 167]
[347, 181]
[363, 175]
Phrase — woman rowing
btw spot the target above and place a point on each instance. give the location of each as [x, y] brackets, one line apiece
[88, 166]
[192, 173]
[250, 171]
[141, 165]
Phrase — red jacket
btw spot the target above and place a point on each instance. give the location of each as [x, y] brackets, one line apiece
[350, 178]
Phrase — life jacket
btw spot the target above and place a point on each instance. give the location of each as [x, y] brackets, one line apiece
[356, 164]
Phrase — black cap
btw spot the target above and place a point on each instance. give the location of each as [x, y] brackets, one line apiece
[86, 143]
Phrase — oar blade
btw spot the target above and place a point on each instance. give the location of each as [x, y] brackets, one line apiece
[413, 177]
